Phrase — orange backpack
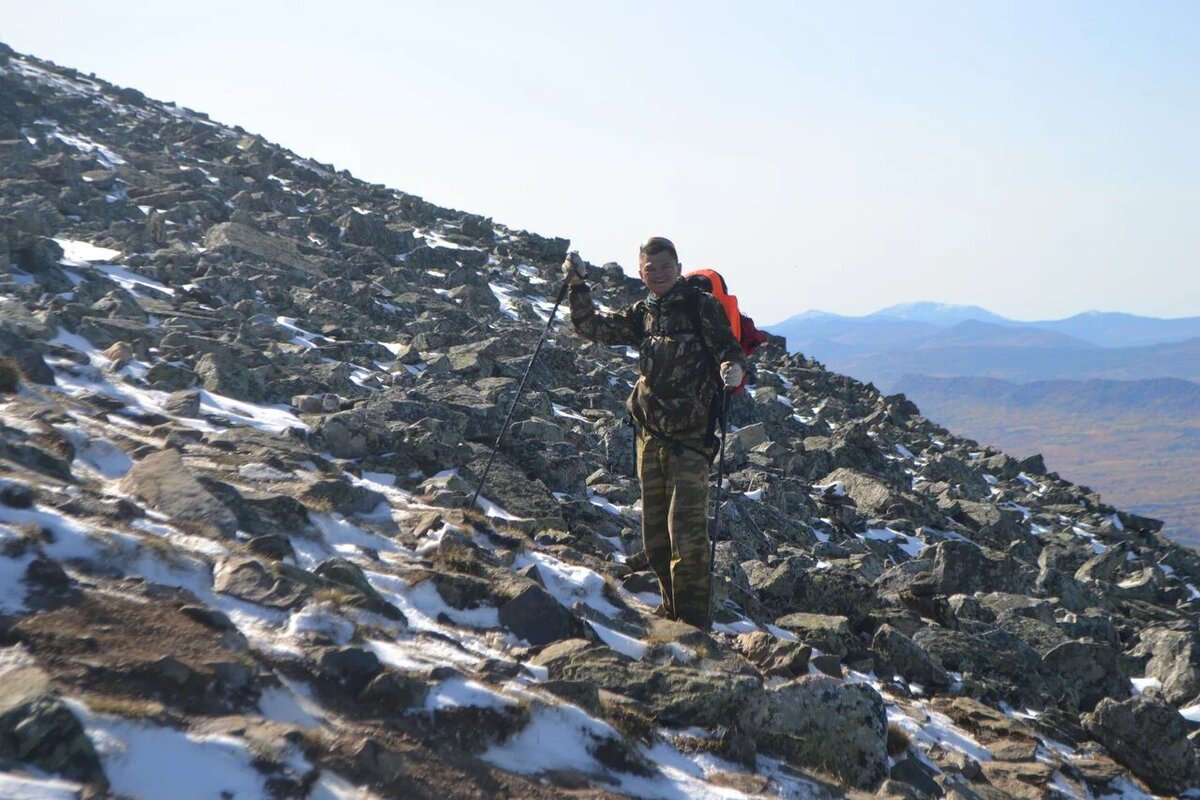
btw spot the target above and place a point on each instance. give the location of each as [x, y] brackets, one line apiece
[744, 330]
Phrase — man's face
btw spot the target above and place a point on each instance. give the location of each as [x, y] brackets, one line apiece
[659, 272]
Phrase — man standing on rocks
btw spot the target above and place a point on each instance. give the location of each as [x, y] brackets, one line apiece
[674, 406]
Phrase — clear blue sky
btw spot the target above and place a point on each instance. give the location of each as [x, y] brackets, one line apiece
[1036, 158]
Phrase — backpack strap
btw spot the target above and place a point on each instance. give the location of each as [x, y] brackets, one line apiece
[692, 307]
[716, 407]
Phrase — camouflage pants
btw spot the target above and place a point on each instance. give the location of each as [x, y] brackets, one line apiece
[674, 483]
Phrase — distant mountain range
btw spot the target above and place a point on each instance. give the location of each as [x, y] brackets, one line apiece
[948, 341]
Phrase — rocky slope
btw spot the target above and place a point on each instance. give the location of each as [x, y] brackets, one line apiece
[244, 400]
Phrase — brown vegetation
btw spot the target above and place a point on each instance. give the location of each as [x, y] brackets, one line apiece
[1140, 461]
[10, 375]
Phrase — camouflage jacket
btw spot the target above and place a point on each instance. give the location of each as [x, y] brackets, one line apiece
[678, 379]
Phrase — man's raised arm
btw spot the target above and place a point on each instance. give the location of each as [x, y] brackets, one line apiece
[621, 327]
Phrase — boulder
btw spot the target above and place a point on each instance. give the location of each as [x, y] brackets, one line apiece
[908, 659]
[252, 581]
[871, 495]
[237, 238]
[773, 656]
[676, 695]
[369, 230]
[1150, 738]
[995, 660]
[962, 567]
[167, 485]
[172, 378]
[536, 617]
[824, 723]
[1088, 672]
[1173, 656]
[27, 358]
[355, 433]
[349, 576]
[37, 729]
[828, 633]
[836, 591]
[353, 667]
[227, 376]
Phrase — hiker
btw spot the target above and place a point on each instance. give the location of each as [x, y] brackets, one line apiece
[688, 358]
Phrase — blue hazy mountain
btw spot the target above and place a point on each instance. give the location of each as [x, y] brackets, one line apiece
[941, 339]
[940, 314]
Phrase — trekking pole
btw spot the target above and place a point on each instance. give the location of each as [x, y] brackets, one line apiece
[716, 520]
[562, 292]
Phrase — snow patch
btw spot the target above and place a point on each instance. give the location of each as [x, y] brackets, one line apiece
[569, 584]
[460, 693]
[20, 787]
[201, 767]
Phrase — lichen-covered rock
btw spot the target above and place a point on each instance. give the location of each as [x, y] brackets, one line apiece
[1173, 656]
[908, 659]
[827, 724]
[1150, 738]
[37, 728]
[677, 695]
[1088, 672]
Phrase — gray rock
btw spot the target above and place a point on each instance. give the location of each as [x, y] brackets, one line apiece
[961, 567]
[183, 404]
[538, 430]
[173, 378]
[40, 256]
[227, 376]
[251, 580]
[748, 437]
[166, 484]
[871, 495]
[677, 695]
[990, 525]
[1089, 672]
[538, 618]
[350, 577]
[835, 590]
[237, 238]
[27, 357]
[774, 657]
[352, 666]
[823, 722]
[1150, 738]
[996, 660]
[356, 433]
[908, 658]
[316, 403]
[37, 729]
[368, 230]
[827, 633]
[1174, 658]
[341, 496]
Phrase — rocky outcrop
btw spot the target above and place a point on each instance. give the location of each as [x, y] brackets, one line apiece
[1150, 738]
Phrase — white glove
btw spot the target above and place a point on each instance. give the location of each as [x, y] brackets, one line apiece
[732, 374]
[573, 269]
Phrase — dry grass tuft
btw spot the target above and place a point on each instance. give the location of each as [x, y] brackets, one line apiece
[898, 740]
[10, 375]
[127, 707]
